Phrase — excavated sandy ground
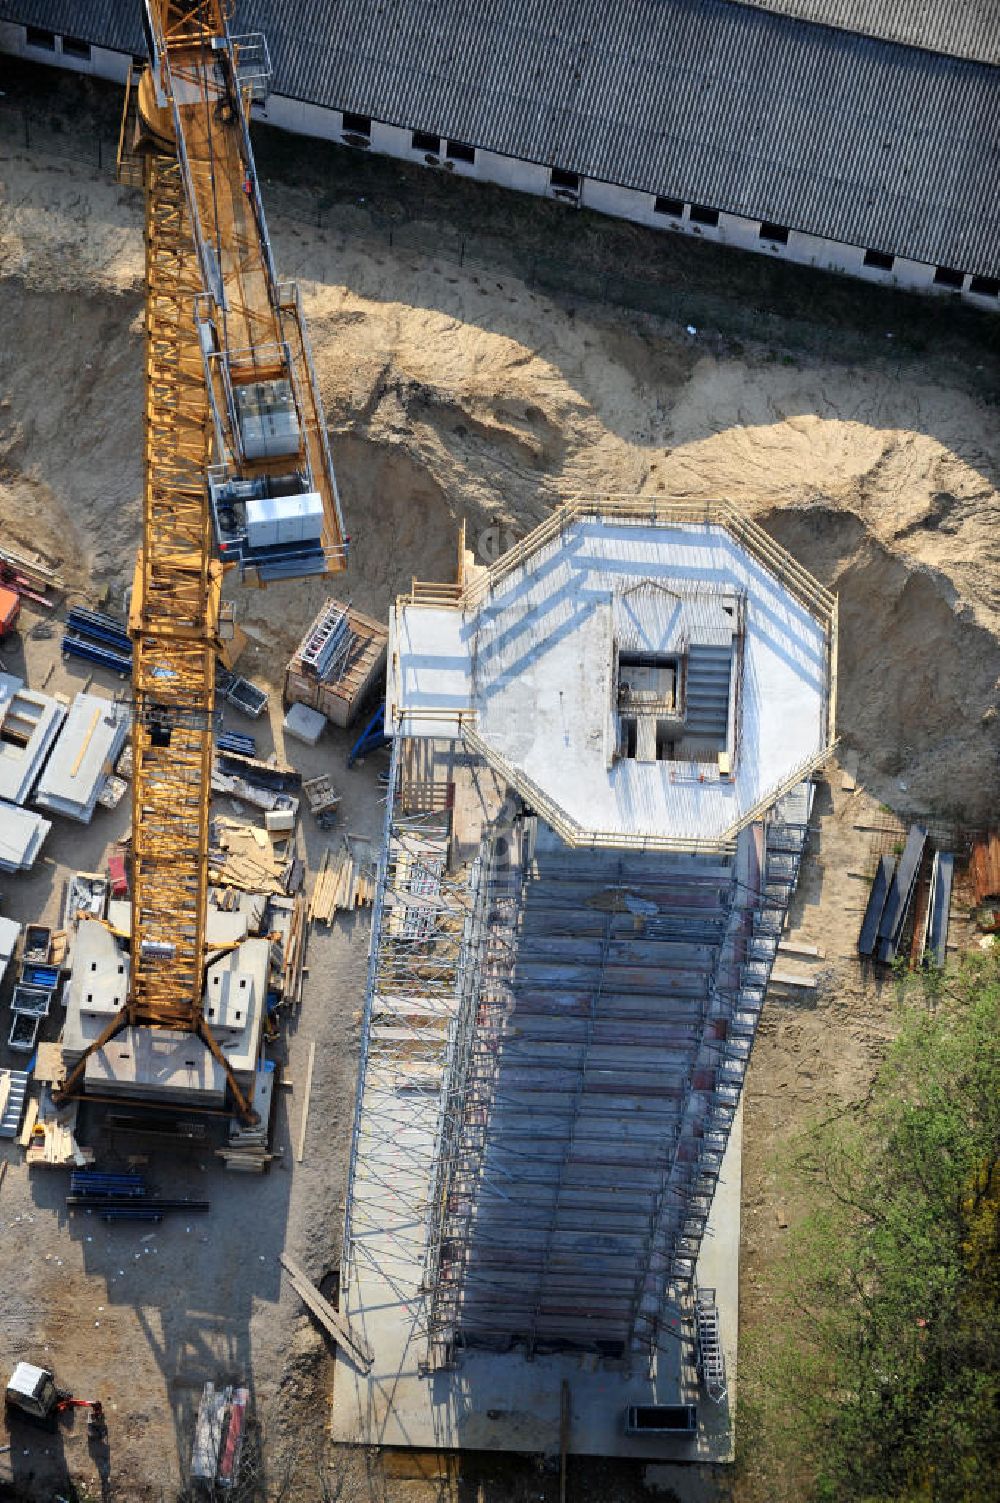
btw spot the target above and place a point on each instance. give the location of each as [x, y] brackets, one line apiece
[459, 395]
[462, 394]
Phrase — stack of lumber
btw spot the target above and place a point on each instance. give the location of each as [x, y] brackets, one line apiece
[341, 884]
[247, 857]
[246, 1152]
[30, 578]
[347, 1337]
[47, 1135]
[294, 952]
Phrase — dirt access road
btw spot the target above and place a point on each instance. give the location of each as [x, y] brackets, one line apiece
[858, 426]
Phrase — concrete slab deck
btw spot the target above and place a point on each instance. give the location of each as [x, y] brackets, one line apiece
[535, 662]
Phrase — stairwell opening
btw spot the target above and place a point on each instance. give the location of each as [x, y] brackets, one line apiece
[675, 707]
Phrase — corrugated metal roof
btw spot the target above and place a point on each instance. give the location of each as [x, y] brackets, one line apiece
[103, 23]
[843, 136]
[961, 28]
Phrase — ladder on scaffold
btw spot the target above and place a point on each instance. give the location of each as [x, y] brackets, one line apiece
[711, 1358]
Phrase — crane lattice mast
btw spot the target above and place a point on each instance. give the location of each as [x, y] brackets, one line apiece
[236, 454]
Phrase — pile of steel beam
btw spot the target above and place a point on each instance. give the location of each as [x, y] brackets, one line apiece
[123, 1197]
[97, 638]
[890, 900]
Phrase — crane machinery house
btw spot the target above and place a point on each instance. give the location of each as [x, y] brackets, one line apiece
[599, 797]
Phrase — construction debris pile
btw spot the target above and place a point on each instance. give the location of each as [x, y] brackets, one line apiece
[266, 785]
[245, 856]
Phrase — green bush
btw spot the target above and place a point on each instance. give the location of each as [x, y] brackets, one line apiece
[889, 1371]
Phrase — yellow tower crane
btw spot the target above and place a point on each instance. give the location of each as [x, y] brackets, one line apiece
[236, 456]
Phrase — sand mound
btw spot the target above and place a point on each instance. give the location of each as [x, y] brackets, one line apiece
[919, 676]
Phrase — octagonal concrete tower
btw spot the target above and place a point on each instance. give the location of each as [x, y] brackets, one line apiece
[599, 797]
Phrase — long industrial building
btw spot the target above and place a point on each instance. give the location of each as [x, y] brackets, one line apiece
[855, 135]
[599, 797]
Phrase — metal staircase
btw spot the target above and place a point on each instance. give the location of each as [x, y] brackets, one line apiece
[329, 643]
[709, 668]
[718, 1077]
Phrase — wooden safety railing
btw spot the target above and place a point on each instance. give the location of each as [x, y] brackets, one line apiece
[651, 511]
[569, 829]
[462, 715]
[820, 602]
[573, 833]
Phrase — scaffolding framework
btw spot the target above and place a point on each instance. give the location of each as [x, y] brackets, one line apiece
[426, 932]
[555, 1049]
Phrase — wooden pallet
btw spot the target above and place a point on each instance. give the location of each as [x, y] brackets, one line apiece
[320, 794]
